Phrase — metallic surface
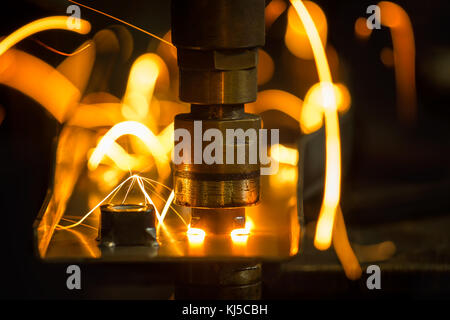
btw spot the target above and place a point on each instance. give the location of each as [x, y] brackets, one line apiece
[218, 23]
[217, 49]
[219, 281]
[217, 185]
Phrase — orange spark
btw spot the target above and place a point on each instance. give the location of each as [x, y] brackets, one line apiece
[332, 188]
[48, 23]
[297, 35]
[40, 81]
[61, 52]
[273, 10]
[124, 22]
[195, 235]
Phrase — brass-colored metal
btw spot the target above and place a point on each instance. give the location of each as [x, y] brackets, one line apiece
[214, 87]
[216, 194]
[218, 185]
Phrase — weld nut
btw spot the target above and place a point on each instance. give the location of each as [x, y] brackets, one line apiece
[127, 225]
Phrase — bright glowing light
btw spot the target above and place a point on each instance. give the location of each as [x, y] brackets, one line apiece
[317, 97]
[195, 235]
[140, 182]
[297, 35]
[266, 67]
[141, 84]
[122, 159]
[77, 68]
[285, 155]
[96, 206]
[394, 17]
[286, 175]
[48, 23]
[124, 22]
[332, 187]
[343, 249]
[167, 205]
[276, 100]
[40, 81]
[139, 130]
[240, 235]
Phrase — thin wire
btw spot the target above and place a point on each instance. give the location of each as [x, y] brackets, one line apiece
[159, 183]
[128, 191]
[59, 227]
[124, 22]
[164, 200]
[81, 224]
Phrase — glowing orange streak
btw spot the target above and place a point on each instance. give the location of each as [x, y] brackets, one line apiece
[137, 129]
[169, 199]
[325, 223]
[81, 224]
[167, 205]
[39, 81]
[96, 115]
[240, 235]
[59, 227]
[124, 22]
[276, 99]
[48, 23]
[61, 52]
[343, 249]
[121, 158]
[140, 87]
[394, 17]
[148, 198]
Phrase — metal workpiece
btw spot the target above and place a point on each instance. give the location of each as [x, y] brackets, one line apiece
[127, 225]
[223, 281]
[218, 185]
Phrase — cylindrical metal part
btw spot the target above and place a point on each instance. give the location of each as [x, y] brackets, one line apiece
[217, 49]
[219, 184]
[223, 281]
[127, 225]
[218, 24]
